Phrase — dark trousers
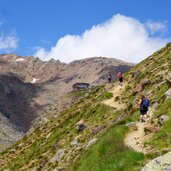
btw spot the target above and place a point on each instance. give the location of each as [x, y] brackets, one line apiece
[110, 80]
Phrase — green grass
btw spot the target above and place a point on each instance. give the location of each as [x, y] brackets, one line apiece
[90, 109]
[110, 154]
[160, 92]
[162, 139]
[107, 95]
[78, 93]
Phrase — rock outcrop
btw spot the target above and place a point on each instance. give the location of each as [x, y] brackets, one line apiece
[168, 93]
[159, 163]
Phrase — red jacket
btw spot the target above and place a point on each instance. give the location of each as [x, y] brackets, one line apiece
[119, 75]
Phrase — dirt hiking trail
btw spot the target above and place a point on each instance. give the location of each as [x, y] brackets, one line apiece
[117, 93]
[136, 138]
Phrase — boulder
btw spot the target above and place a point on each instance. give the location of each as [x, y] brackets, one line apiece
[134, 74]
[81, 125]
[58, 156]
[168, 80]
[97, 129]
[43, 163]
[155, 105]
[142, 85]
[47, 137]
[169, 76]
[59, 168]
[134, 92]
[164, 118]
[74, 143]
[135, 127]
[165, 150]
[168, 83]
[160, 84]
[94, 85]
[60, 143]
[79, 149]
[155, 121]
[131, 124]
[159, 163]
[151, 128]
[168, 94]
[91, 142]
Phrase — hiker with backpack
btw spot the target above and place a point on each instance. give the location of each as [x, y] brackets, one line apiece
[144, 104]
[120, 77]
[110, 77]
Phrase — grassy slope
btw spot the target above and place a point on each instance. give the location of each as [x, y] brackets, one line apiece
[157, 67]
[36, 150]
[165, 132]
[109, 153]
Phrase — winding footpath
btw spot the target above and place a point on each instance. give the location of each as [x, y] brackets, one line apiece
[135, 138]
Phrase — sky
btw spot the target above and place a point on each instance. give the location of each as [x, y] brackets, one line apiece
[69, 30]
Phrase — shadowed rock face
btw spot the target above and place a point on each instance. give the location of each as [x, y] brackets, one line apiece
[16, 100]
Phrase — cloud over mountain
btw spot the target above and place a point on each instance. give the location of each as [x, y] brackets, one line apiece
[121, 37]
[9, 41]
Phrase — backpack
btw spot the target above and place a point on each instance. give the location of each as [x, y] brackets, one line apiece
[145, 103]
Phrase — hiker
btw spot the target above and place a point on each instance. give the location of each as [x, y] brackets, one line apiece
[120, 77]
[110, 77]
[144, 104]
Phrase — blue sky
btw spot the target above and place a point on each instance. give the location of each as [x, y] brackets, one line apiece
[30, 27]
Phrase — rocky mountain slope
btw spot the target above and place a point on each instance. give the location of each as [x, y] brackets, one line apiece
[34, 70]
[29, 87]
[9, 133]
[91, 134]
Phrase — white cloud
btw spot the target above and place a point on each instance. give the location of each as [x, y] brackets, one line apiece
[8, 42]
[120, 37]
[156, 26]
